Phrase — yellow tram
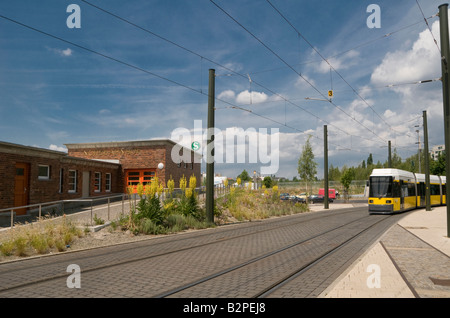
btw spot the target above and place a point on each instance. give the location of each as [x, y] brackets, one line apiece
[394, 190]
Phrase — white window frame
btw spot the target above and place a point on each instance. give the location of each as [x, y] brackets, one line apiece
[46, 177]
[99, 181]
[75, 182]
[108, 182]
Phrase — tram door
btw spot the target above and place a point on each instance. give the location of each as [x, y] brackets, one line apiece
[404, 193]
[421, 193]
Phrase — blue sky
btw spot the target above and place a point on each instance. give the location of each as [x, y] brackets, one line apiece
[53, 92]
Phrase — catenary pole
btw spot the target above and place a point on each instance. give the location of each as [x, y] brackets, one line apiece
[325, 165]
[210, 150]
[389, 155]
[427, 162]
[445, 64]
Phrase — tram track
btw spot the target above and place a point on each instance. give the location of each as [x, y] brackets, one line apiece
[278, 284]
[60, 260]
[223, 237]
[179, 237]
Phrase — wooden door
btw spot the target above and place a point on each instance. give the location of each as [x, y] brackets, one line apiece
[21, 182]
[86, 184]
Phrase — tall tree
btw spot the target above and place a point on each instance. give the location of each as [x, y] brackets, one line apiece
[346, 180]
[370, 160]
[437, 167]
[307, 167]
[244, 176]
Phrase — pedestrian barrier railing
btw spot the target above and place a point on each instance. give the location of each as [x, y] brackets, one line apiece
[103, 205]
[87, 210]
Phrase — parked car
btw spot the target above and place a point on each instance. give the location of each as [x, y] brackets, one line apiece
[284, 196]
[318, 198]
[300, 199]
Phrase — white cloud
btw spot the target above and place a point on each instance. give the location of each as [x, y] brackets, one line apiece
[244, 97]
[64, 53]
[247, 97]
[57, 148]
[343, 62]
[227, 95]
[420, 62]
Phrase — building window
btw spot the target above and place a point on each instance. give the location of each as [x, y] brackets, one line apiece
[72, 181]
[44, 172]
[61, 180]
[134, 177]
[108, 182]
[98, 182]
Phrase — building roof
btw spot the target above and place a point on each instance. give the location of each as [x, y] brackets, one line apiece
[7, 147]
[126, 144]
[116, 144]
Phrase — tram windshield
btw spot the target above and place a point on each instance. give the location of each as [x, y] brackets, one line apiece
[380, 187]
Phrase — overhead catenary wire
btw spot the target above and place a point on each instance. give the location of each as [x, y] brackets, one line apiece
[428, 26]
[338, 73]
[328, 62]
[246, 76]
[305, 79]
[152, 73]
[149, 73]
[352, 48]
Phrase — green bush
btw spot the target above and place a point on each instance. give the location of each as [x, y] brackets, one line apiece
[7, 248]
[150, 208]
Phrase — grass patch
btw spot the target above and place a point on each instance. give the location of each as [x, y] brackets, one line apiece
[39, 238]
[245, 205]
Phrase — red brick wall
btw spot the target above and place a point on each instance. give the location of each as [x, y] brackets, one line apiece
[172, 169]
[40, 191]
[143, 158]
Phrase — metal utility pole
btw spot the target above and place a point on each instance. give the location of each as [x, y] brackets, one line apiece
[427, 162]
[445, 64]
[210, 150]
[325, 166]
[418, 142]
[389, 155]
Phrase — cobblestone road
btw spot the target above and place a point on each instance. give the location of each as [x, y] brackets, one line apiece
[150, 268]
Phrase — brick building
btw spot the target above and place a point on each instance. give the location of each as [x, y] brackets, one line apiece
[139, 160]
[30, 175]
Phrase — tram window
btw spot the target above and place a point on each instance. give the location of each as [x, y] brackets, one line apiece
[421, 189]
[396, 190]
[380, 187]
[434, 189]
[411, 189]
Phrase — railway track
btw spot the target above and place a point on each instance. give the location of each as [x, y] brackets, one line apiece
[96, 262]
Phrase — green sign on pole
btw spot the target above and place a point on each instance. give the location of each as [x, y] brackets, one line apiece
[195, 145]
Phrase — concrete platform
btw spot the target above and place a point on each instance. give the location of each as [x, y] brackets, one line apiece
[411, 260]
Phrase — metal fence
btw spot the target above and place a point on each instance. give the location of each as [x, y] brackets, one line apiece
[84, 211]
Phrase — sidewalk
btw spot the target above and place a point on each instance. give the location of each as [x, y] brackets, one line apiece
[411, 260]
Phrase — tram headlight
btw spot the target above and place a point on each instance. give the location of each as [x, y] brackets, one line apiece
[388, 201]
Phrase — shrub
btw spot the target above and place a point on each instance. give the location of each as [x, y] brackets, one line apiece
[6, 248]
[39, 243]
[20, 244]
[98, 221]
